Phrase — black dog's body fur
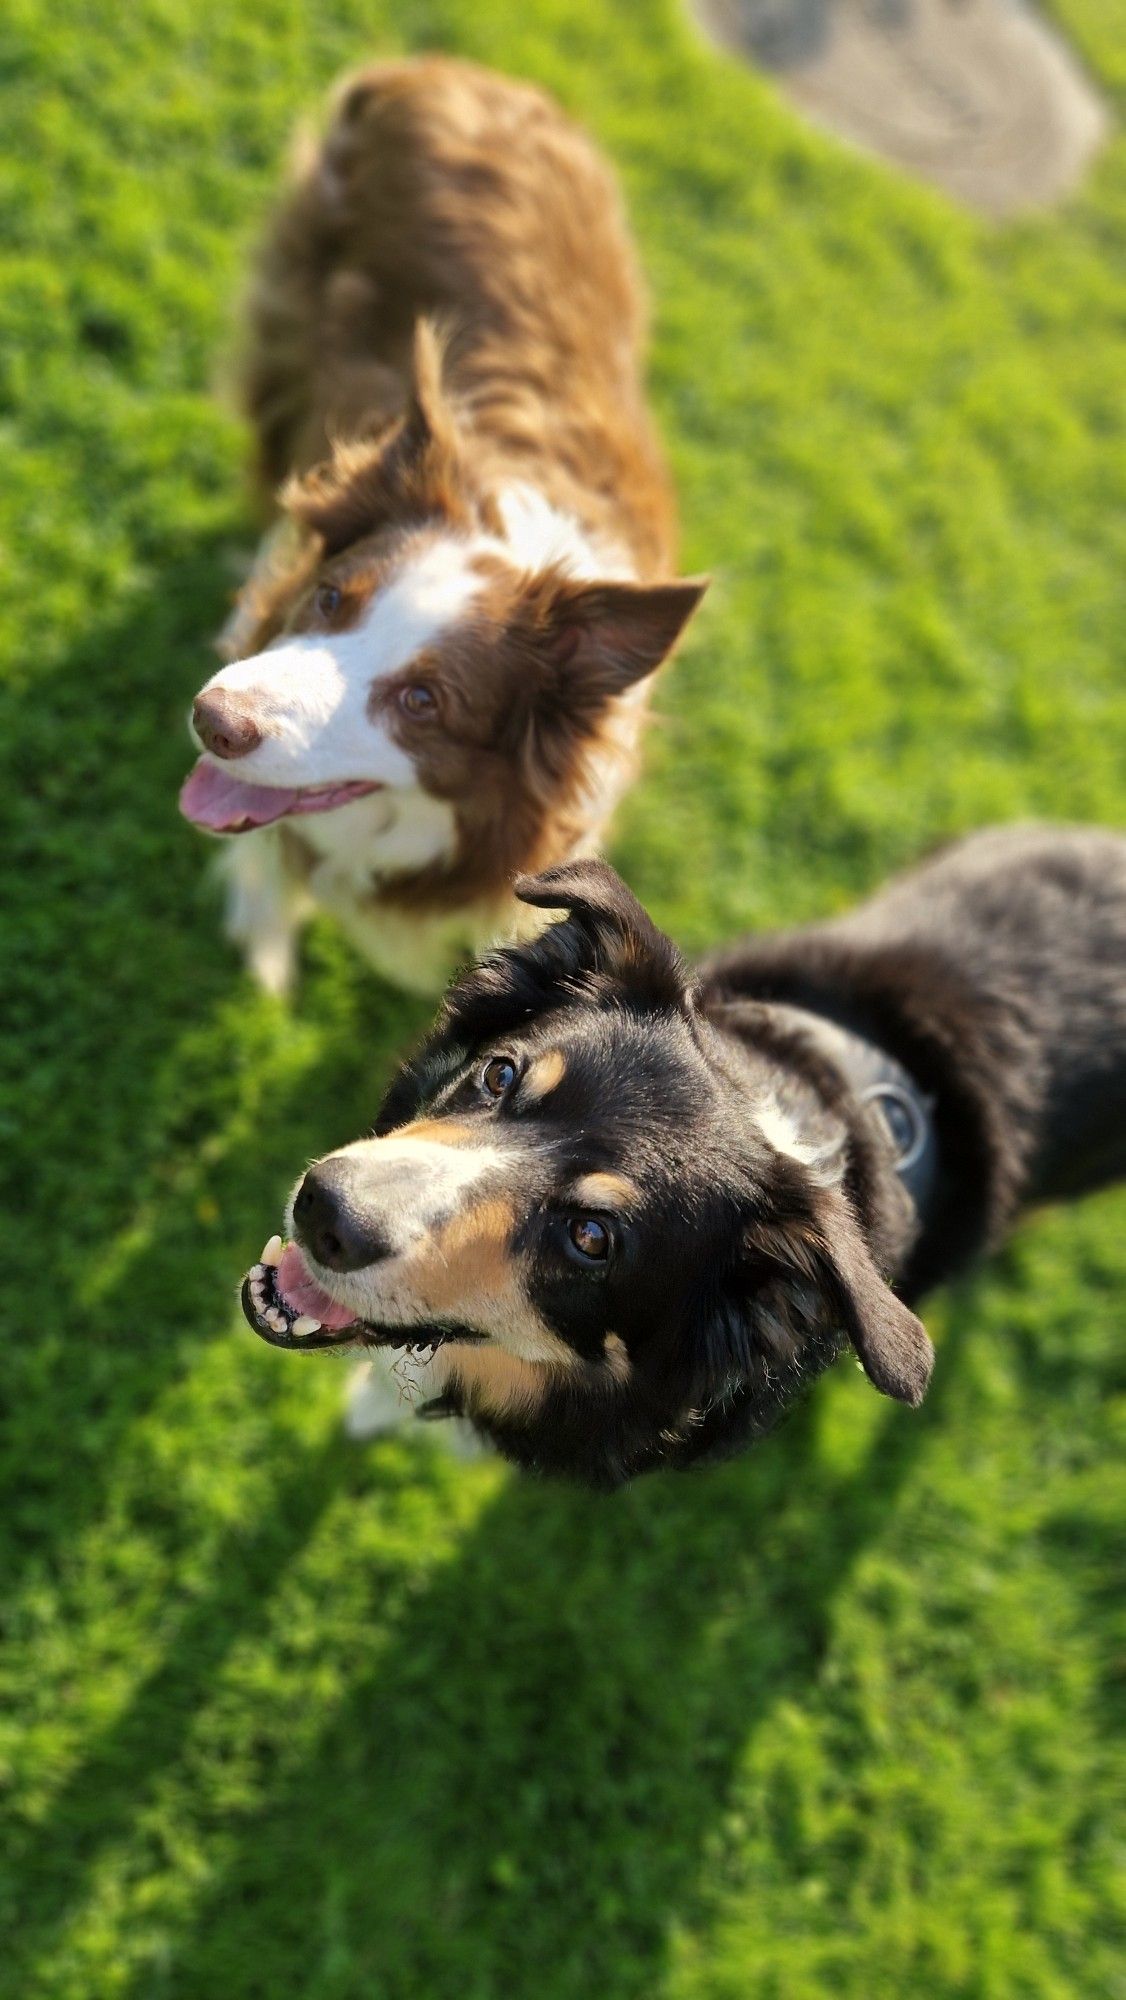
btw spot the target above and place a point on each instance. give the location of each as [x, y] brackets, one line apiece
[770, 1223]
[996, 973]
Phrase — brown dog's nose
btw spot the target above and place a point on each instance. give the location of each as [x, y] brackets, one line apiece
[221, 727]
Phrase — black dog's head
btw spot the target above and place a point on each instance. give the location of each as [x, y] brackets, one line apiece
[596, 1209]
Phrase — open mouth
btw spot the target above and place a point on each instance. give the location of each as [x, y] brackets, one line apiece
[285, 1305]
[212, 798]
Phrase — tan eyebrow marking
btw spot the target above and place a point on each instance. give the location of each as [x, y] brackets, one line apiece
[605, 1191]
[439, 1131]
[543, 1076]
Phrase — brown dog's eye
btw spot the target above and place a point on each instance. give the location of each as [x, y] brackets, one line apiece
[498, 1076]
[418, 701]
[329, 599]
[590, 1238]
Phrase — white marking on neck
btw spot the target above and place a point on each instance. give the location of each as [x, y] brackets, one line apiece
[391, 833]
[779, 1129]
[538, 536]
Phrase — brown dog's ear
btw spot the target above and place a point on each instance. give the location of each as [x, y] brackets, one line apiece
[427, 422]
[609, 635]
[894, 1348]
[619, 934]
[412, 469]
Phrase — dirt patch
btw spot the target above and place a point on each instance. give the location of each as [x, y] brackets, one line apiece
[978, 96]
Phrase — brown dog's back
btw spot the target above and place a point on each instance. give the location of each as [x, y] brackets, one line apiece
[443, 190]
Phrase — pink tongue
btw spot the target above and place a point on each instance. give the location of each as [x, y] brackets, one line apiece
[211, 798]
[302, 1293]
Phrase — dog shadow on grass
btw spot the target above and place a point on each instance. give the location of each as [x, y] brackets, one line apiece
[511, 1786]
[516, 1792]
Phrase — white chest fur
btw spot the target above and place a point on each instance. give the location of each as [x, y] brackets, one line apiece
[354, 847]
[391, 833]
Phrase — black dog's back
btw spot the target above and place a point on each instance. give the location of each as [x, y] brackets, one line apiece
[1034, 918]
[997, 972]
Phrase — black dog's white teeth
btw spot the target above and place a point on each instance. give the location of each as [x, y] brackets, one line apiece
[260, 1293]
[267, 1301]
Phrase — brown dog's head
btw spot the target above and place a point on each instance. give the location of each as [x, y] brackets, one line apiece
[624, 1247]
[468, 653]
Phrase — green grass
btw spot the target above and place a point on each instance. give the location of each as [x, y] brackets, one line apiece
[285, 1717]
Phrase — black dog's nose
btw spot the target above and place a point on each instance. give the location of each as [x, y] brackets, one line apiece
[329, 1219]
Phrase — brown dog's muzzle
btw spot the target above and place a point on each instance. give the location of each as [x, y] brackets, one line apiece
[222, 727]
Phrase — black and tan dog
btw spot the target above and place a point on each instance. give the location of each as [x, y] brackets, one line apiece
[619, 1214]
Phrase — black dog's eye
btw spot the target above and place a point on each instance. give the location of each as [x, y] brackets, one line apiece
[329, 599]
[498, 1076]
[590, 1238]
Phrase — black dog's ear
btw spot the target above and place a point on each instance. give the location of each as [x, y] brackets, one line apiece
[825, 1259]
[894, 1348]
[619, 935]
[606, 934]
[588, 888]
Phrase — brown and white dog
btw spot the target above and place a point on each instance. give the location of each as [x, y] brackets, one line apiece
[439, 666]
[620, 1215]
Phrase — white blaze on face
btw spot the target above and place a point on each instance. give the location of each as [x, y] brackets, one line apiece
[444, 1209]
[415, 1184]
[309, 694]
